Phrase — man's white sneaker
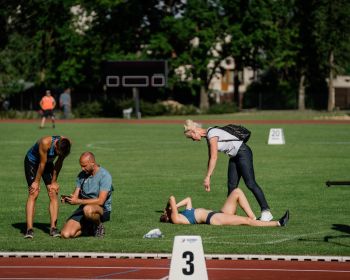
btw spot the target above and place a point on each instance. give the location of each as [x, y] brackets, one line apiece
[266, 216]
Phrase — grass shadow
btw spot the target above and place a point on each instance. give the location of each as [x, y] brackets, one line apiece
[45, 227]
[334, 239]
[342, 228]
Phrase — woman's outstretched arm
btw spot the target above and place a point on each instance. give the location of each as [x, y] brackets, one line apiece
[212, 159]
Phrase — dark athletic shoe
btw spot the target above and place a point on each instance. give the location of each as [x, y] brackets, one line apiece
[100, 231]
[29, 234]
[54, 232]
[284, 220]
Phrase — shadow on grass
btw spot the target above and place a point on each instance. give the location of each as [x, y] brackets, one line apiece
[334, 239]
[45, 227]
[342, 228]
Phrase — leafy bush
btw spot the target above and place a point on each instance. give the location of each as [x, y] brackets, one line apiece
[175, 108]
[14, 114]
[114, 108]
[150, 109]
[88, 110]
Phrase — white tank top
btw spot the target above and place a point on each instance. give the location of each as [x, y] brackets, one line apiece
[228, 147]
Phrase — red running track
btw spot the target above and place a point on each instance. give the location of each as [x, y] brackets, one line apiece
[107, 268]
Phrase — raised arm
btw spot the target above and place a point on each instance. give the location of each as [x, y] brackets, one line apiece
[176, 217]
[187, 202]
[174, 213]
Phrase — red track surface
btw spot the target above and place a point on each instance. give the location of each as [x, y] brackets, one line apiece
[106, 268]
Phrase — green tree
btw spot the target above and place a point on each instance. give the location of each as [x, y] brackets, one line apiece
[54, 43]
[332, 36]
[263, 38]
[191, 36]
[34, 29]
[324, 47]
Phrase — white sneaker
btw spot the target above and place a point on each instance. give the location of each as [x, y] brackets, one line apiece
[266, 216]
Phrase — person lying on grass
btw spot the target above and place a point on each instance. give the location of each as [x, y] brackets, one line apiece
[226, 216]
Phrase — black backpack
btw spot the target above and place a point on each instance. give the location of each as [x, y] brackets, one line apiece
[238, 131]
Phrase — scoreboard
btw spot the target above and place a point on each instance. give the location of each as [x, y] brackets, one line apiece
[135, 74]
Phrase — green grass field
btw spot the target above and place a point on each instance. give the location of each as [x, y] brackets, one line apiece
[148, 162]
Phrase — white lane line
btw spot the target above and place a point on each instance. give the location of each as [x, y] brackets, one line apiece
[137, 268]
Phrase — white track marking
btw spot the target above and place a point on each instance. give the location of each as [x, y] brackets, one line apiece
[276, 241]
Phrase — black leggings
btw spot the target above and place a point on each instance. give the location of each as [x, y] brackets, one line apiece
[242, 166]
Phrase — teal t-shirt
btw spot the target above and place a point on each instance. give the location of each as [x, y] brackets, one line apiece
[90, 186]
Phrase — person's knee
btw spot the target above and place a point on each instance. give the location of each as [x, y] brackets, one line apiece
[71, 229]
[52, 194]
[231, 188]
[33, 195]
[237, 192]
[89, 211]
[65, 234]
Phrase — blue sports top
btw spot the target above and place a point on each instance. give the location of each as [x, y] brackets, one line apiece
[189, 214]
[91, 185]
[34, 156]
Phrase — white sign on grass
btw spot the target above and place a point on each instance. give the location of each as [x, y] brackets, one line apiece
[276, 136]
[187, 259]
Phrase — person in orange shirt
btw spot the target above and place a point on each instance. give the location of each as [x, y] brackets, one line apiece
[47, 104]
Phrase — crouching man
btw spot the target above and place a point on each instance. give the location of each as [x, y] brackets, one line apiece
[93, 193]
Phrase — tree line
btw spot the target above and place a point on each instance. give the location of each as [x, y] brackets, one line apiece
[295, 47]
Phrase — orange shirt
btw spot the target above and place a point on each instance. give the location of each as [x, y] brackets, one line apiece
[47, 103]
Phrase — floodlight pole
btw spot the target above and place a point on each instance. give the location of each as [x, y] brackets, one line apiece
[136, 96]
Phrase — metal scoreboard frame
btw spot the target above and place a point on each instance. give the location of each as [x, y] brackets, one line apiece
[136, 74]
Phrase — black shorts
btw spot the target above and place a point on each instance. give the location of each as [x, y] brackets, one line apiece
[48, 113]
[87, 226]
[30, 170]
[210, 215]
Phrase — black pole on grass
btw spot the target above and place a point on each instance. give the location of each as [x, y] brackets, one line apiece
[337, 183]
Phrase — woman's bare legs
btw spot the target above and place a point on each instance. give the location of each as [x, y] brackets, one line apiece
[237, 197]
[234, 220]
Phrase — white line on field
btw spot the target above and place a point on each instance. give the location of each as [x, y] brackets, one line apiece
[275, 241]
